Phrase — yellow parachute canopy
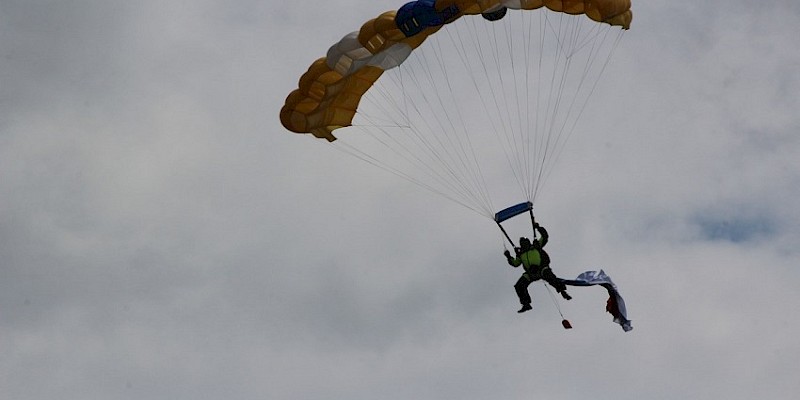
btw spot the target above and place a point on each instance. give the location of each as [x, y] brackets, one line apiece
[329, 93]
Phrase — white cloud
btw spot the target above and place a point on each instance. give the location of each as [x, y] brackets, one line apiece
[162, 236]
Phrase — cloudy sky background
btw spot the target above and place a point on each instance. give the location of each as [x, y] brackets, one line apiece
[163, 237]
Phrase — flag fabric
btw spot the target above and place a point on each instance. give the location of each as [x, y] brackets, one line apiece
[615, 304]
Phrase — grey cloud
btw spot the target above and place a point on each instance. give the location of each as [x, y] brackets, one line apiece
[162, 236]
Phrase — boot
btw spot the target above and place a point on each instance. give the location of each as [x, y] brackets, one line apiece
[525, 307]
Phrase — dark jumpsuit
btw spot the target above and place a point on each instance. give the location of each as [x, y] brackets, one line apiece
[536, 263]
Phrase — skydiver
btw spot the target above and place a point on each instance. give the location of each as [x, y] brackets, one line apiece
[536, 263]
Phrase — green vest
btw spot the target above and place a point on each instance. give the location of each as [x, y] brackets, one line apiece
[528, 259]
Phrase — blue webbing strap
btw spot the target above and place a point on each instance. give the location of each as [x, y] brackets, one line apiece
[513, 211]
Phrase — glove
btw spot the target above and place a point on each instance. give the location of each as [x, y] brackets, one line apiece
[507, 254]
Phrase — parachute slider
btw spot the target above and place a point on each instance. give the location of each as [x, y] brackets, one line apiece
[512, 211]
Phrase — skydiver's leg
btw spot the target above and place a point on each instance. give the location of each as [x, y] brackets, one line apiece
[522, 292]
[550, 277]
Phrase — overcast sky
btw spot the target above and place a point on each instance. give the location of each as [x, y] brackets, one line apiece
[162, 236]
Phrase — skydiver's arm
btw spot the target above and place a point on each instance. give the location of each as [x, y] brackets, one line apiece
[512, 261]
[543, 233]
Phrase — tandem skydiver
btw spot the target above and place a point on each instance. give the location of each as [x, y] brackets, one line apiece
[536, 263]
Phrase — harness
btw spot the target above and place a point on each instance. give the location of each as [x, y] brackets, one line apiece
[534, 271]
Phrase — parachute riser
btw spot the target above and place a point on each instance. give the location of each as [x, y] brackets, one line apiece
[505, 234]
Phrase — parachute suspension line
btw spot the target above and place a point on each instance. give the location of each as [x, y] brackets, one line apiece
[460, 155]
[441, 151]
[559, 144]
[512, 133]
[554, 299]
[519, 74]
[537, 142]
[514, 137]
[506, 145]
[461, 49]
[573, 41]
[477, 48]
[553, 100]
[527, 44]
[386, 106]
[354, 152]
[412, 157]
[457, 159]
[597, 44]
[408, 154]
[399, 82]
[568, 32]
[467, 149]
[561, 115]
[528, 134]
[510, 45]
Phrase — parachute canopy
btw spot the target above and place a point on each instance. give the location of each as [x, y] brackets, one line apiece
[445, 93]
[329, 92]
